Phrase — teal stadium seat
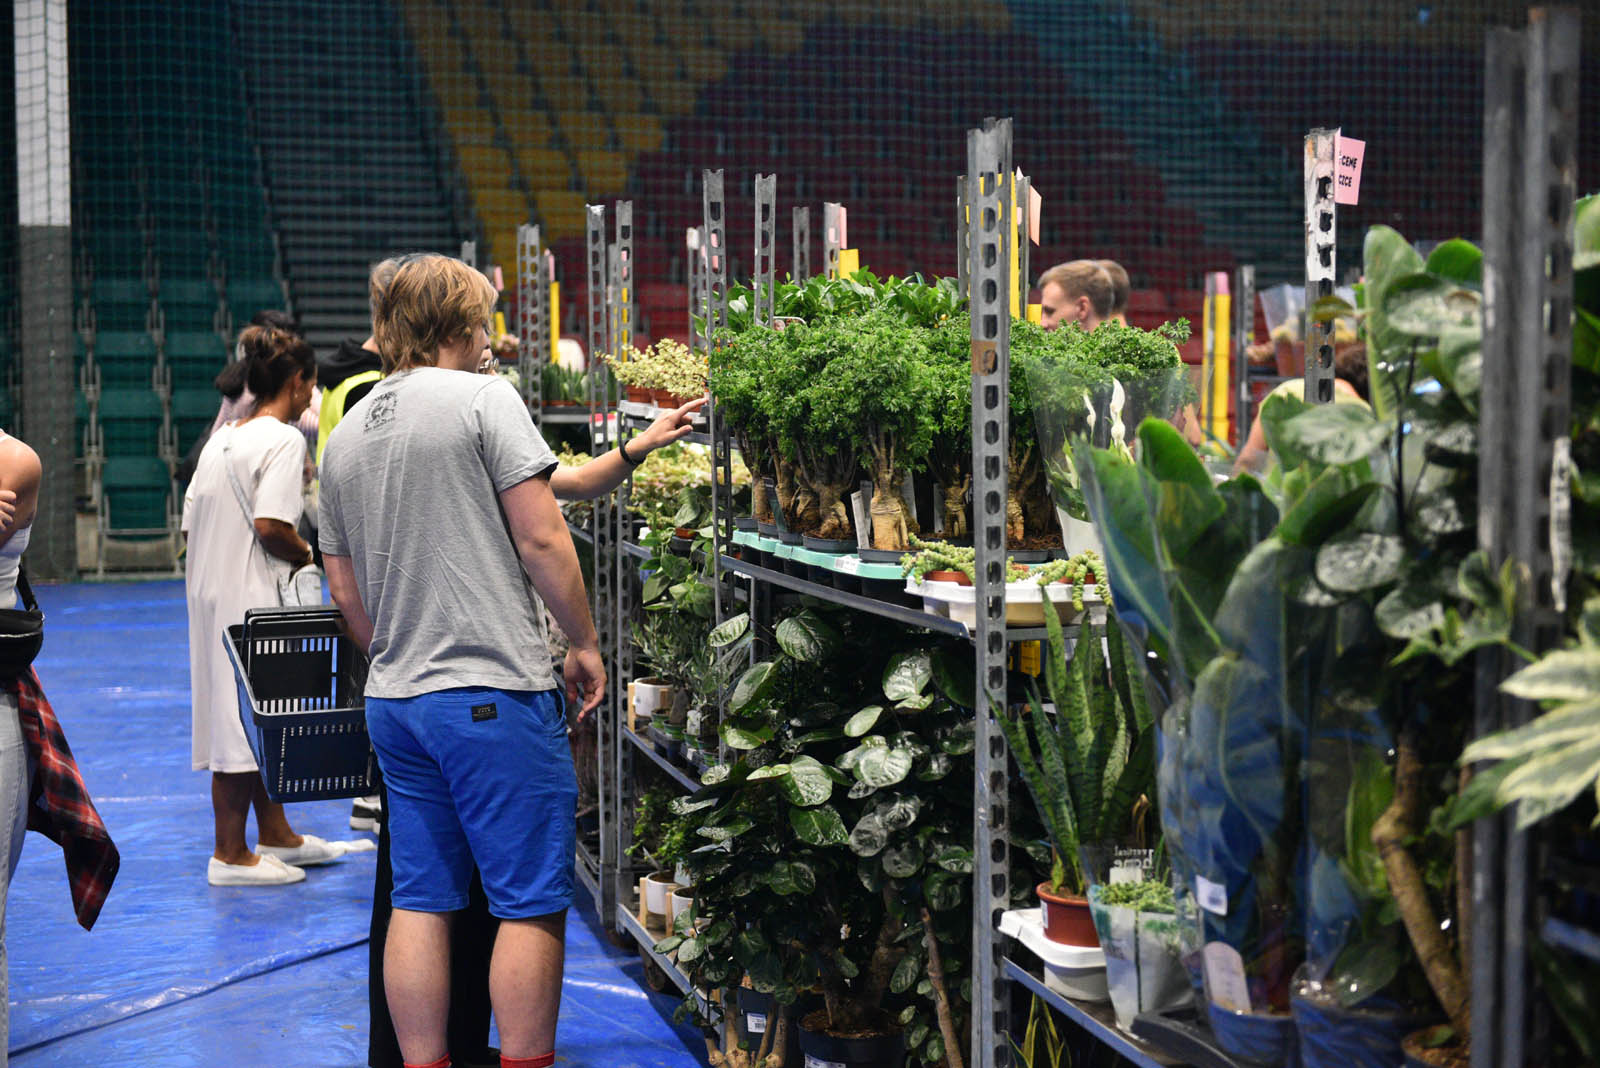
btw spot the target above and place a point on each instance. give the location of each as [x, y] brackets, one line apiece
[120, 304]
[135, 497]
[125, 358]
[192, 413]
[195, 357]
[187, 303]
[130, 422]
[246, 296]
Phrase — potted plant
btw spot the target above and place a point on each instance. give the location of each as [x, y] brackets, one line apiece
[563, 386]
[1088, 762]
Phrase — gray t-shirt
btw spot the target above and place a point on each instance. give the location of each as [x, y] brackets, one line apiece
[410, 492]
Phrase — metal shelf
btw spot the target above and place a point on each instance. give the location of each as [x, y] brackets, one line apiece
[634, 550]
[1571, 937]
[564, 416]
[900, 613]
[644, 414]
[587, 868]
[1098, 1020]
[579, 533]
[678, 774]
[629, 923]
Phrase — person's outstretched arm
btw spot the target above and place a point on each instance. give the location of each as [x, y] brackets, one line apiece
[342, 584]
[545, 548]
[605, 473]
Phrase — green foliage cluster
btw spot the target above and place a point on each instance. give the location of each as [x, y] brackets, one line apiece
[668, 365]
[825, 793]
[1153, 895]
[559, 383]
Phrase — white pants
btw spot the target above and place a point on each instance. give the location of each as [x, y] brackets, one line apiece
[13, 825]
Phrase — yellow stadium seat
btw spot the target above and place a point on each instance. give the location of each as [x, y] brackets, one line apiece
[602, 173]
[638, 132]
[617, 91]
[456, 89]
[470, 126]
[484, 165]
[674, 98]
[583, 129]
[544, 168]
[561, 213]
[500, 201]
[527, 126]
[703, 66]
[563, 91]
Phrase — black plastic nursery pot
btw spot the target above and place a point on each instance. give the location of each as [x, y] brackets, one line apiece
[757, 1015]
[827, 545]
[823, 1050]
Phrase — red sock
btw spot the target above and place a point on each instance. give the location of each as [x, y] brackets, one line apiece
[546, 1060]
[442, 1062]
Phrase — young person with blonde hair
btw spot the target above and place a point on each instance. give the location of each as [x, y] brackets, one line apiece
[1079, 291]
[441, 536]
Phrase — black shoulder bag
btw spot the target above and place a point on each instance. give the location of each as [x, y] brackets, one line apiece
[21, 632]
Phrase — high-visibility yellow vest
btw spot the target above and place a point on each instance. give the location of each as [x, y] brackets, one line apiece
[333, 402]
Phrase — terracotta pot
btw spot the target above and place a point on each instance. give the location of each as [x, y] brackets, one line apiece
[638, 396]
[1290, 357]
[1066, 919]
[958, 577]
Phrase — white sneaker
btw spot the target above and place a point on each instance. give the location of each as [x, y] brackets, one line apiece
[268, 871]
[309, 853]
[366, 813]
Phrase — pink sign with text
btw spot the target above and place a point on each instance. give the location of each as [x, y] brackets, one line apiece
[1349, 154]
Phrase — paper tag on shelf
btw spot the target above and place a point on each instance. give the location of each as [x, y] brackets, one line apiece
[1225, 981]
[863, 518]
[691, 237]
[755, 1023]
[498, 277]
[694, 721]
[818, 1062]
[1349, 154]
[1035, 204]
[844, 227]
[1127, 873]
[1560, 520]
[850, 565]
[1213, 897]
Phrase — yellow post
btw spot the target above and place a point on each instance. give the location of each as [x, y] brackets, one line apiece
[1217, 370]
[555, 321]
[1018, 293]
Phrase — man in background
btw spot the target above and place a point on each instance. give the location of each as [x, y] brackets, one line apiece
[1121, 287]
[1079, 291]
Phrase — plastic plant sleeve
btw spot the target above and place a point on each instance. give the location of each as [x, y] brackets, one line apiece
[1147, 952]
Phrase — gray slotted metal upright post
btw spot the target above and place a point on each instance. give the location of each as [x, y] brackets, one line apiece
[469, 252]
[992, 230]
[624, 304]
[626, 299]
[766, 245]
[832, 238]
[963, 232]
[694, 249]
[802, 245]
[603, 599]
[714, 242]
[1530, 172]
[533, 343]
[1321, 236]
[1244, 325]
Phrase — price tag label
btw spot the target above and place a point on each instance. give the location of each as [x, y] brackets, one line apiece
[818, 1062]
[1348, 157]
[1035, 205]
[755, 1023]
[1225, 981]
[1213, 897]
[1560, 520]
[499, 279]
[850, 565]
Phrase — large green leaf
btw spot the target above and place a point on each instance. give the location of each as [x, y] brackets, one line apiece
[807, 783]
[1277, 411]
[1335, 433]
[882, 766]
[907, 675]
[869, 836]
[744, 738]
[729, 631]
[862, 721]
[1458, 261]
[1423, 305]
[1366, 966]
[1327, 507]
[1361, 562]
[1548, 783]
[792, 877]
[1573, 985]
[819, 826]
[1586, 233]
[1386, 257]
[807, 637]
[903, 860]
[1563, 726]
[1371, 791]
[1410, 610]
[1566, 675]
[753, 687]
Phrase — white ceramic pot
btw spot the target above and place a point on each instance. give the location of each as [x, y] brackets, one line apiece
[679, 900]
[656, 886]
[650, 695]
[681, 875]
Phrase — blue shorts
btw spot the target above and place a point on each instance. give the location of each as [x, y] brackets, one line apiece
[478, 775]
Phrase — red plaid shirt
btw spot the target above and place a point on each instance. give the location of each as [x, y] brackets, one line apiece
[59, 805]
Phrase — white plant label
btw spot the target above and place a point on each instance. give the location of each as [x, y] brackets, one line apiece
[1225, 981]
[1213, 897]
[1560, 520]
[818, 1062]
[850, 565]
[755, 1023]
[695, 721]
[1127, 873]
[858, 505]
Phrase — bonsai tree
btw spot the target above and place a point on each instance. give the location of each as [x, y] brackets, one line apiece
[950, 451]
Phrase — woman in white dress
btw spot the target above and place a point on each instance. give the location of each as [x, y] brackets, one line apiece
[234, 562]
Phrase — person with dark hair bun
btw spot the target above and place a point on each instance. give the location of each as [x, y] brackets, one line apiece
[238, 550]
